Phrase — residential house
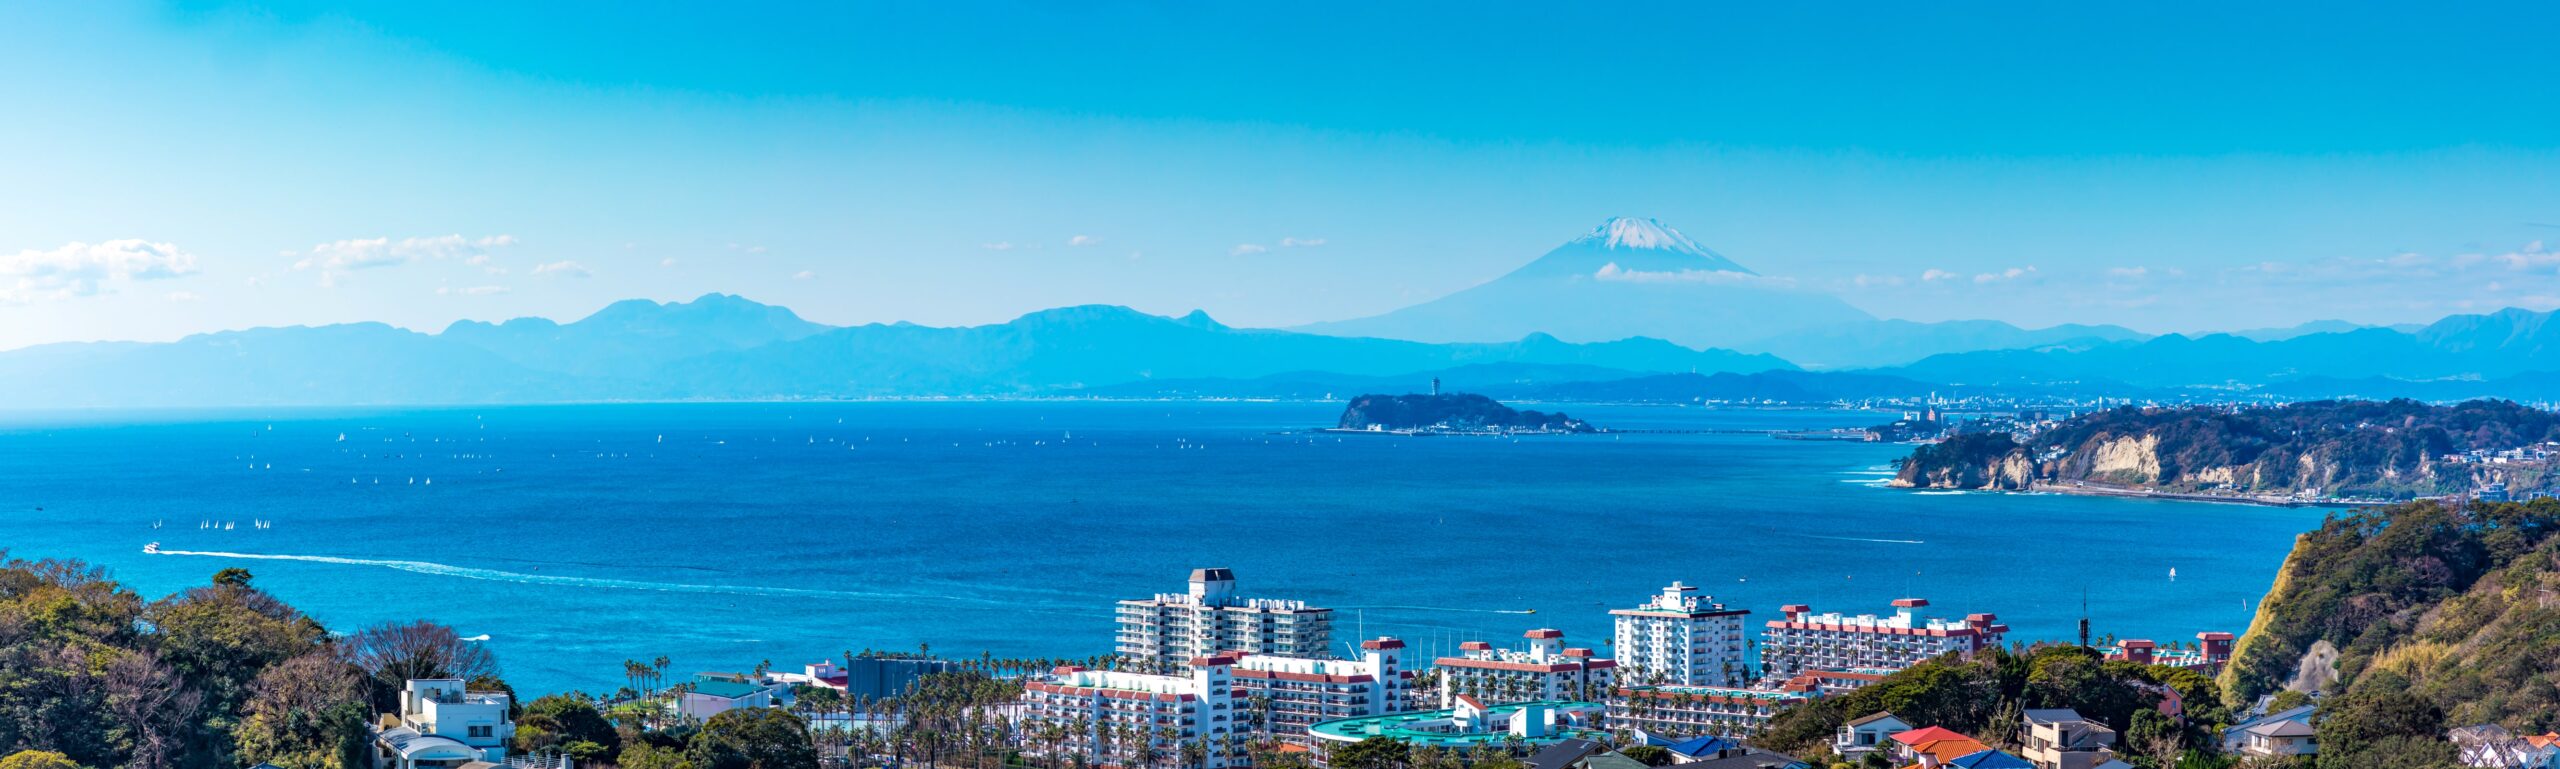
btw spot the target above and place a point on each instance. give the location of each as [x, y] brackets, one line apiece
[443, 725]
[1867, 735]
[2058, 738]
[2282, 733]
[711, 694]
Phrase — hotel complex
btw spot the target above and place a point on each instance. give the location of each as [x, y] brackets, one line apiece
[1680, 638]
[1806, 642]
[1172, 628]
[1544, 670]
[1169, 710]
[1298, 692]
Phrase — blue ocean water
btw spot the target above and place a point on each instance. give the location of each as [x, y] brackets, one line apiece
[721, 535]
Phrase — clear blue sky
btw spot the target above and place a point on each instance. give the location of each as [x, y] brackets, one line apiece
[178, 168]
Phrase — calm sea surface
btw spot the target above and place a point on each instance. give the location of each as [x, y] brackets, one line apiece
[723, 535]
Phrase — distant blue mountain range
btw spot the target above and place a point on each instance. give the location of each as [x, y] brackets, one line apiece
[730, 348]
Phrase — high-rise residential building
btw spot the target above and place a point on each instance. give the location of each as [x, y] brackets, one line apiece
[1168, 710]
[1545, 670]
[1296, 692]
[1171, 629]
[1805, 642]
[1680, 638]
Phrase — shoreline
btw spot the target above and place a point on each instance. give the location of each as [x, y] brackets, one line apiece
[2087, 490]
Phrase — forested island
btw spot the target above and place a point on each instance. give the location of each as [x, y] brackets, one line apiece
[2318, 450]
[1450, 413]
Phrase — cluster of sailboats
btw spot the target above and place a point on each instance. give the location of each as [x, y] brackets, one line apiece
[213, 525]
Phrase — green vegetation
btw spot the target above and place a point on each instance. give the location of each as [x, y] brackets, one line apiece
[1463, 412]
[1985, 697]
[2456, 606]
[218, 675]
[2354, 449]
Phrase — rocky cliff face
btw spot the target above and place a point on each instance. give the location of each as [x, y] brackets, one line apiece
[2327, 448]
[1990, 461]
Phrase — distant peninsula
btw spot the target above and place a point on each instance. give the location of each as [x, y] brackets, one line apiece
[2311, 452]
[1450, 413]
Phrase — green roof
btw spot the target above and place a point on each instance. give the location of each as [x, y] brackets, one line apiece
[725, 689]
[1399, 726]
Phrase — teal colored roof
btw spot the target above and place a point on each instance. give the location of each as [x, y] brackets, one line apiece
[1612, 760]
[725, 689]
[1398, 726]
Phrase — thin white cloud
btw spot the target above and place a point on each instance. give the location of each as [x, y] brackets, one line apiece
[1242, 249]
[2129, 273]
[1864, 280]
[2012, 273]
[1301, 242]
[667, 262]
[803, 275]
[1084, 240]
[563, 268]
[184, 296]
[471, 291]
[1934, 275]
[80, 269]
[1613, 273]
[746, 249]
[336, 258]
[1002, 245]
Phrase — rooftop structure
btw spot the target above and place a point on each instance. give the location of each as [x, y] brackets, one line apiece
[1543, 669]
[711, 694]
[1805, 641]
[1680, 637]
[870, 678]
[1171, 628]
[1470, 724]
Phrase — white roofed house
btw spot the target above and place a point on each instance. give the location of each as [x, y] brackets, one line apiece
[442, 725]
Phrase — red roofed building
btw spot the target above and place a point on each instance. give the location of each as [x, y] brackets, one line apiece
[1199, 707]
[1545, 669]
[1298, 692]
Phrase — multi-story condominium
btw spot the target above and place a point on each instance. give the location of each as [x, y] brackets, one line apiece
[1544, 670]
[1805, 641]
[2212, 649]
[1680, 638]
[1690, 711]
[1122, 717]
[1293, 693]
[442, 724]
[1166, 631]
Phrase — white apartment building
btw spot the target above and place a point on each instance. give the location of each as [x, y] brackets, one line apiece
[1805, 642]
[1299, 692]
[443, 726]
[1680, 638]
[1690, 711]
[1545, 670]
[1170, 629]
[1124, 716]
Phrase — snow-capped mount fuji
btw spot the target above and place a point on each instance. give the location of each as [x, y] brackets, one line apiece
[1629, 277]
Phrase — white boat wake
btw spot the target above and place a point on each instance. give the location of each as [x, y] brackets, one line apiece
[1871, 539]
[494, 575]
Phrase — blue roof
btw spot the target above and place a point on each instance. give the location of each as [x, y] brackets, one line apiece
[1701, 746]
[1990, 759]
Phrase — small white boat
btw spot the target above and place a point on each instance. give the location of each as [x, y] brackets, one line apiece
[152, 549]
